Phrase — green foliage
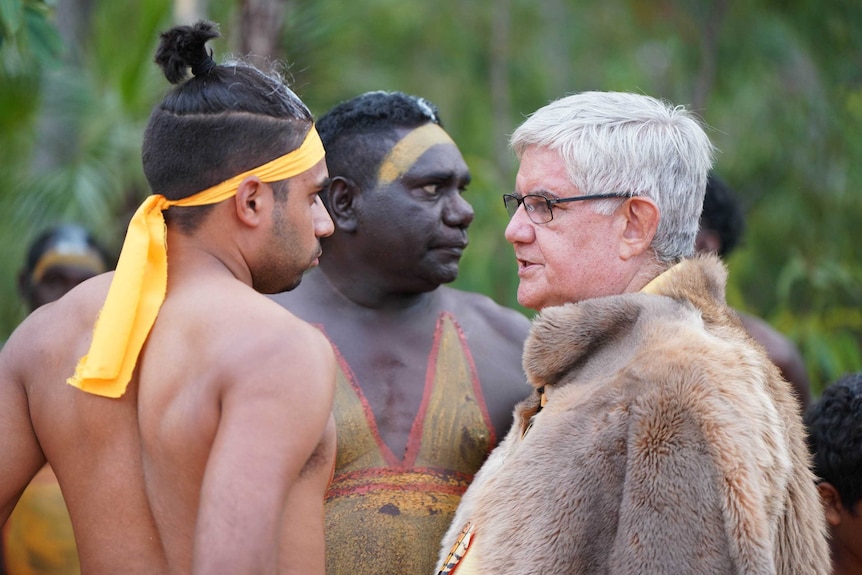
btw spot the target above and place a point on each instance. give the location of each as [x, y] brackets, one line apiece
[74, 132]
[26, 36]
[778, 83]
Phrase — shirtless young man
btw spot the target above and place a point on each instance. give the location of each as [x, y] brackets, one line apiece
[202, 442]
[429, 374]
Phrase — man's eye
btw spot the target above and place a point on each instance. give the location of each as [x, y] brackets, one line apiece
[431, 189]
[534, 204]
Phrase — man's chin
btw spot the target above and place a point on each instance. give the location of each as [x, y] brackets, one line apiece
[279, 288]
[293, 285]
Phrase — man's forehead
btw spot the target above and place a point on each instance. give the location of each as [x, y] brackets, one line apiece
[542, 169]
[407, 151]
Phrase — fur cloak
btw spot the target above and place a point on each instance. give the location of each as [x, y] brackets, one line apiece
[669, 444]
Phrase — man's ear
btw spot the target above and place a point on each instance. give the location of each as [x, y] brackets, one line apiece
[831, 501]
[251, 199]
[343, 194]
[641, 217]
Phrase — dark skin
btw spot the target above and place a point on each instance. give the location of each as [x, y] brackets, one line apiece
[378, 294]
[845, 526]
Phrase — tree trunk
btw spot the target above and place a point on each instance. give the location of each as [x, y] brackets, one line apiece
[501, 100]
[190, 11]
[260, 31]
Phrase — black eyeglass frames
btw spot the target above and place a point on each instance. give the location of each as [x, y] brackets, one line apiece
[539, 208]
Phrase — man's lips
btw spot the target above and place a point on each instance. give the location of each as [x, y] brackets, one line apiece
[316, 260]
[524, 264]
[454, 248]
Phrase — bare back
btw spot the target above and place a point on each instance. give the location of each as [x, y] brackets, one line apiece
[92, 442]
[236, 426]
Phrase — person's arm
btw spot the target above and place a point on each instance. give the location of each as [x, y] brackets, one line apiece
[273, 415]
[20, 452]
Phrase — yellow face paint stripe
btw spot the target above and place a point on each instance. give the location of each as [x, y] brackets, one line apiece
[407, 151]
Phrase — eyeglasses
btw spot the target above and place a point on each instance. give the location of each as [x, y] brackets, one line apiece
[539, 207]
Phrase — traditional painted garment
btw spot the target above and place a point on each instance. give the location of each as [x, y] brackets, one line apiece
[385, 514]
[668, 443]
[37, 537]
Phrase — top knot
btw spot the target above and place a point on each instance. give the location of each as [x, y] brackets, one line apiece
[184, 47]
[204, 67]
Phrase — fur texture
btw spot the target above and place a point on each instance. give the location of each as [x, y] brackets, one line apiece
[669, 444]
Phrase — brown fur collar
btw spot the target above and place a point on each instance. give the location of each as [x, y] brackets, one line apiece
[564, 338]
[669, 443]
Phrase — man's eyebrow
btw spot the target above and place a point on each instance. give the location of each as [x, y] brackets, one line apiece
[440, 175]
[543, 192]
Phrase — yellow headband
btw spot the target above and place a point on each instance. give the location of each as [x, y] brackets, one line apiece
[140, 280]
[408, 149]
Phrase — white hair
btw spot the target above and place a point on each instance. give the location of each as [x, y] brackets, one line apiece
[615, 142]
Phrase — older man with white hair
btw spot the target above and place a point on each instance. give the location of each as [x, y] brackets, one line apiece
[659, 439]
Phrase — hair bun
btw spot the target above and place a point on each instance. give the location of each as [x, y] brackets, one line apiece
[203, 67]
[184, 47]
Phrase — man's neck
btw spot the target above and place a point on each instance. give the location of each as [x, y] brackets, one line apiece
[366, 294]
[844, 560]
[646, 272]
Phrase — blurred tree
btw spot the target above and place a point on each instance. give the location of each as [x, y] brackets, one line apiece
[76, 156]
[29, 43]
[260, 30]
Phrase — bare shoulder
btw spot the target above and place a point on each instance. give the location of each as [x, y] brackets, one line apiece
[257, 342]
[58, 332]
[40, 353]
[778, 346]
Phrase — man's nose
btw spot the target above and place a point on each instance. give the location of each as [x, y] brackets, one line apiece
[458, 212]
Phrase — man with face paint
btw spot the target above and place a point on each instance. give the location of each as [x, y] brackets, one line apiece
[39, 531]
[429, 374]
[188, 417]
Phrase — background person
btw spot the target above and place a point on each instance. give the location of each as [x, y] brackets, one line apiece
[207, 450]
[835, 436]
[658, 439]
[58, 259]
[722, 224]
[429, 375]
[38, 537]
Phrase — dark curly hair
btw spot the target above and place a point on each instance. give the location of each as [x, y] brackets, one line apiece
[358, 133]
[722, 214]
[834, 425]
[223, 120]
